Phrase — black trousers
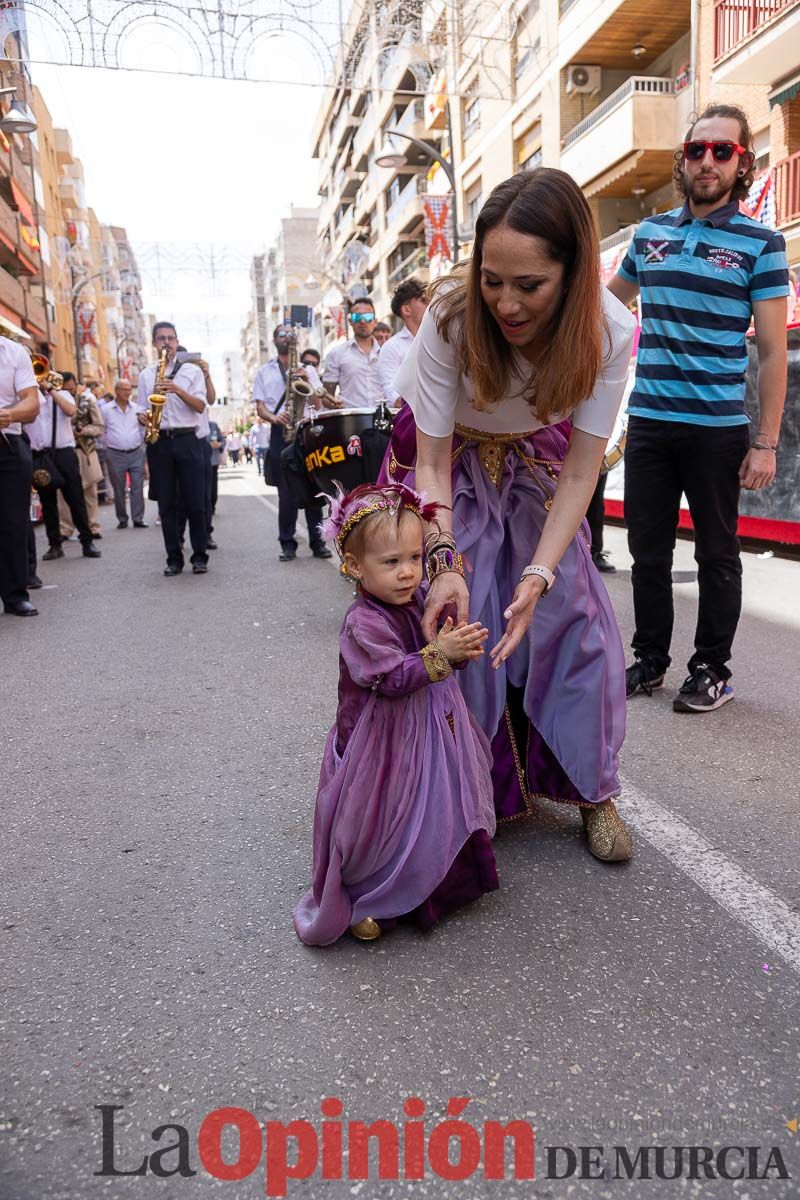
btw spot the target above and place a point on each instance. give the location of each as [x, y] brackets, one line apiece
[177, 468]
[208, 484]
[596, 514]
[72, 491]
[15, 504]
[287, 509]
[662, 460]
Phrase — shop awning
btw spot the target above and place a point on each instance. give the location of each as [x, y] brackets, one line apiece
[785, 91]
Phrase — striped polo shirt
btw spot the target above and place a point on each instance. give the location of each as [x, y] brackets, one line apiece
[699, 279]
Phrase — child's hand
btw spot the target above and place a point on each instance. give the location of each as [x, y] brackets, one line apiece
[463, 641]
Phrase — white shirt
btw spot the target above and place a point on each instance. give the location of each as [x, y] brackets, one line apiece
[270, 386]
[440, 396]
[391, 359]
[234, 441]
[40, 431]
[16, 373]
[176, 414]
[122, 428]
[355, 373]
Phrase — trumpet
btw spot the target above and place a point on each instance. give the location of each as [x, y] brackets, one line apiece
[156, 403]
[46, 378]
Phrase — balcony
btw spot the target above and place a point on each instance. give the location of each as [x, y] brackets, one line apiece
[590, 32]
[413, 264]
[755, 41]
[404, 213]
[625, 142]
[68, 192]
[363, 141]
[36, 317]
[787, 190]
[8, 228]
[412, 122]
[621, 238]
[343, 123]
[12, 294]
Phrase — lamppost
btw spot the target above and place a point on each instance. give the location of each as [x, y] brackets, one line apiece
[390, 156]
[77, 288]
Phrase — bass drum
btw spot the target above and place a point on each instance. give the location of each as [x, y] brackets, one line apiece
[332, 449]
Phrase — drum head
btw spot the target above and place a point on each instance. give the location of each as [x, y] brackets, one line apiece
[332, 448]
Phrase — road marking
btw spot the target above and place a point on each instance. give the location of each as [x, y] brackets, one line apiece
[749, 902]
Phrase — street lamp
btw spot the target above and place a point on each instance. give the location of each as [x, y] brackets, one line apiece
[390, 156]
[19, 118]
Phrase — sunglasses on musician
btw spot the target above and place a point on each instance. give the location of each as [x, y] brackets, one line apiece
[356, 318]
[721, 151]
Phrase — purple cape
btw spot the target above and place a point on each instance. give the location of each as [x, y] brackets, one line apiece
[405, 779]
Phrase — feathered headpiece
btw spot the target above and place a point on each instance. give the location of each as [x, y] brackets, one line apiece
[347, 509]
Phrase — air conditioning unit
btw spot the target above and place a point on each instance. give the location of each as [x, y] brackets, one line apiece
[584, 81]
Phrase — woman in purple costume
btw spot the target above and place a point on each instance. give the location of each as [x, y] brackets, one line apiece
[517, 341]
[404, 812]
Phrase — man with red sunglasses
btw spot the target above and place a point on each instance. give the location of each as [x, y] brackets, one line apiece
[703, 271]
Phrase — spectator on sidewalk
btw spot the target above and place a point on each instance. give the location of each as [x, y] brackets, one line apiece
[703, 270]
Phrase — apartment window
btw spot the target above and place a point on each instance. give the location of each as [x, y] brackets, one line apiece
[472, 111]
[474, 204]
[393, 191]
[532, 161]
[528, 148]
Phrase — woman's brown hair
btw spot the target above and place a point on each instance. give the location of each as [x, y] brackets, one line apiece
[547, 204]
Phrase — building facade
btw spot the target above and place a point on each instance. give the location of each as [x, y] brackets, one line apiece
[602, 90]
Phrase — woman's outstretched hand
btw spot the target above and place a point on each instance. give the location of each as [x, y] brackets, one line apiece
[518, 614]
[447, 588]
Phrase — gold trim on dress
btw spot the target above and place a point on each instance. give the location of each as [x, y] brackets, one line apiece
[437, 664]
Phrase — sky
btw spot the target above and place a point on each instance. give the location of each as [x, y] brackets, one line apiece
[188, 163]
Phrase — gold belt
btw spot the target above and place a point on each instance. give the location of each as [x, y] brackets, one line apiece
[492, 449]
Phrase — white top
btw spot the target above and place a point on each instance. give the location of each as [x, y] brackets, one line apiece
[260, 436]
[16, 373]
[355, 373]
[234, 441]
[176, 414]
[122, 429]
[270, 387]
[40, 431]
[391, 358]
[204, 424]
[431, 382]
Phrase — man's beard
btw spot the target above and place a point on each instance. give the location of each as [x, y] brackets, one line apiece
[707, 193]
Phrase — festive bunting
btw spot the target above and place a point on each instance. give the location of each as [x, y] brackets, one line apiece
[760, 202]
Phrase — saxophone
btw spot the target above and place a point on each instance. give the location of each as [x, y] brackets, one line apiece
[82, 418]
[156, 402]
[298, 392]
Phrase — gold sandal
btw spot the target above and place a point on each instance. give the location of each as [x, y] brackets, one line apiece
[609, 837]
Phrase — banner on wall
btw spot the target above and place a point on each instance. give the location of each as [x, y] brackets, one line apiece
[437, 211]
[760, 201]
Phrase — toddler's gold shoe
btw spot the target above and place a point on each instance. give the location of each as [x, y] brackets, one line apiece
[367, 930]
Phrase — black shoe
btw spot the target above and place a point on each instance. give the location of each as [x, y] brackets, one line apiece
[321, 552]
[211, 544]
[123, 524]
[287, 555]
[33, 583]
[91, 551]
[199, 568]
[53, 553]
[140, 525]
[603, 565]
[173, 568]
[642, 676]
[98, 537]
[703, 691]
[22, 608]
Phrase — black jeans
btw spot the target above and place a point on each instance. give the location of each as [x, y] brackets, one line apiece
[15, 502]
[662, 460]
[596, 514]
[72, 490]
[287, 509]
[177, 468]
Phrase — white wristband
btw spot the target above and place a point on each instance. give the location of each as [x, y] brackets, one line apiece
[543, 572]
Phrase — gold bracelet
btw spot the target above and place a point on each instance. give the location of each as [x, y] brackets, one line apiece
[437, 664]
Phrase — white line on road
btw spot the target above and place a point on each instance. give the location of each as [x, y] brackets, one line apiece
[747, 900]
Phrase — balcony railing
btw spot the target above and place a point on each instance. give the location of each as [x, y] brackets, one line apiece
[416, 185]
[787, 189]
[637, 85]
[737, 20]
[415, 261]
[620, 238]
[12, 293]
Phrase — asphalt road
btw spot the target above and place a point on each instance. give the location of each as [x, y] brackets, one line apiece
[161, 743]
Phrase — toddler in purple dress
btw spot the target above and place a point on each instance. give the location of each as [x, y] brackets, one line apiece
[404, 812]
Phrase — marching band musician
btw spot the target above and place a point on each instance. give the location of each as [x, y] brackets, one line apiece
[353, 366]
[177, 458]
[53, 431]
[19, 404]
[270, 393]
[88, 425]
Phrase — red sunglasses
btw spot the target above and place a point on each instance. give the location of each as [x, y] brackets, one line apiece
[722, 151]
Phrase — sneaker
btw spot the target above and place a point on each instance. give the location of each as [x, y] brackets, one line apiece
[642, 676]
[702, 691]
[603, 565]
